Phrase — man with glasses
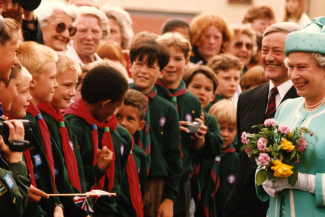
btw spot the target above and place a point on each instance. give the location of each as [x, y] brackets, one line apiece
[242, 45]
[92, 27]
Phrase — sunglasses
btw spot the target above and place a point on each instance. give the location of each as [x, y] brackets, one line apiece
[240, 44]
[61, 27]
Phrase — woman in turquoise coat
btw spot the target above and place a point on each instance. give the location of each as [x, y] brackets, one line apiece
[306, 68]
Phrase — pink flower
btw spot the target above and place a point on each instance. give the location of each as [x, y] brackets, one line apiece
[284, 129]
[302, 144]
[312, 133]
[244, 138]
[264, 159]
[261, 144]
[270, 122]
[248, 150]
[297, 161]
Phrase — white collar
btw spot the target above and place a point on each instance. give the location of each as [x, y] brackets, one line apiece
[71, 52]
[282, 88]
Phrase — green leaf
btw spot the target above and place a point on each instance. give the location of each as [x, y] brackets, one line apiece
[261, 177]
[293, 153]
[293, 178]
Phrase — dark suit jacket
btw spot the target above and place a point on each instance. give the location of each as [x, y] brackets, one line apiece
[251, 109]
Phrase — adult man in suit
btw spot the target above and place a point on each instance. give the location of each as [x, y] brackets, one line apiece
[254, 106]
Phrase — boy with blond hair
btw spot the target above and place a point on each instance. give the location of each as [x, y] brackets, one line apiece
[228, 69]
[225, 113]
[172, 88]
[67, 159]
[40, 61]
[131, 117]
[160, 138]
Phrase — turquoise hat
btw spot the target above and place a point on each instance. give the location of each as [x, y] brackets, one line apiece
[310, 39]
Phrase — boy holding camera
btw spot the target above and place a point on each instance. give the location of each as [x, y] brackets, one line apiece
[104, 146]
[202, 82]
[160, 138]
[172, 88]
[40, 61]
[131, 117]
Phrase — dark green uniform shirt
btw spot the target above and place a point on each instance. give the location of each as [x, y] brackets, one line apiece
[122, 146]
[216, 98]
[14, 188]
[166, 161]
[125, 206]
[42, 174]
[61, 174]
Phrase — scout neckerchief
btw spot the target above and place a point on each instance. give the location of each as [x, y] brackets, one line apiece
[144, 135]
[214, 182]
[217, 98]
[30, 167]
[45, 138]
[69, 156]
[181, 90]
[107, 142]
[80, 109]
[135, 192]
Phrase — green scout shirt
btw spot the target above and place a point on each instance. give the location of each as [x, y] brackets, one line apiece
[14, 188]
[61, 174]
[189, 108]
[125, 206]
[42, 174]
[122, 146]
[217, 98]
[228, 169]
[166, 161]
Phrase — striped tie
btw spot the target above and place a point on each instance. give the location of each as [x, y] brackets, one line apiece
[271, 108]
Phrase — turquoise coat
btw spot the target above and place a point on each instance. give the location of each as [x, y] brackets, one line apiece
[297, 202]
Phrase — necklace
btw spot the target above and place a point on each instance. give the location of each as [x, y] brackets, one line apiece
[316, 106]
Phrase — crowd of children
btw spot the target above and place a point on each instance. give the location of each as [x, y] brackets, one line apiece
[96, 128]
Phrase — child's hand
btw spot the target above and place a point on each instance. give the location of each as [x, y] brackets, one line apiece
[202, 117]
[199, 136]
[181, 128]
[104, 159]
[58, 212]
[166, 208]
[35, 194]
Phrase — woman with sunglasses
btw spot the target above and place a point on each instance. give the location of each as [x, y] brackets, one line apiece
[92, 27]
[56, 21]
[243, 44]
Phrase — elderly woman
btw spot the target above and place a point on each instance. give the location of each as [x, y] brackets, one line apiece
[56, 20]
[242, 45]
[209, 33]
[306, 69]
[92, 27]
[120, 24]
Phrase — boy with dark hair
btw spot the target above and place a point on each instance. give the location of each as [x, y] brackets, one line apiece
[177, 25]
[68, 164]
[202, 82]
[131, 117]
[92, 119]
[160, 138]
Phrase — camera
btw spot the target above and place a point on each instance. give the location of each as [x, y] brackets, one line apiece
[14, 145]
[28, 5]
[193, 127]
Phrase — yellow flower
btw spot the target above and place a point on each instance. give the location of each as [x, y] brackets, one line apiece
[281, 170]
[287, 145]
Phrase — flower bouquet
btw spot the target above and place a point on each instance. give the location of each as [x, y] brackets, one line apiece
[275, 150]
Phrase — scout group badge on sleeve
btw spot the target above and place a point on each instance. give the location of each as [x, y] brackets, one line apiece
[3, 189]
